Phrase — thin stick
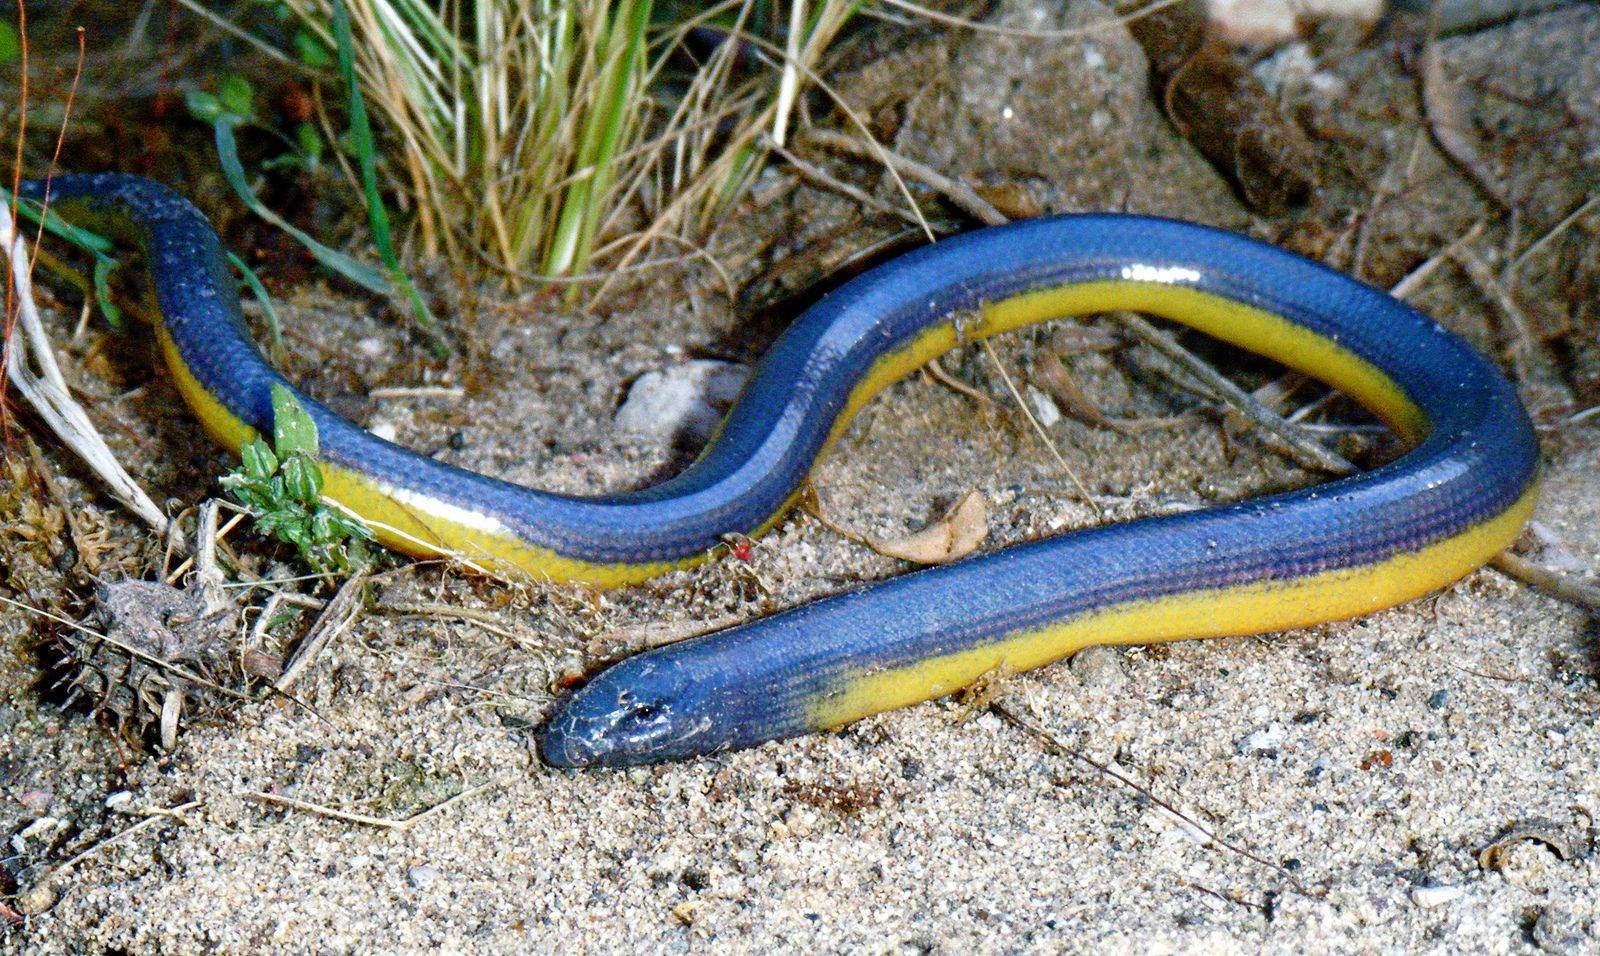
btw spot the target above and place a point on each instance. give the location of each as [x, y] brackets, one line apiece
[1556, 230]
[418, 391]
[937, 371]
[343, 608]
[947, 19]
[183, 568]
[385, 823]
[1442, 109]
[1044, 436]
[1304, 452]
[827, 180]
[1559, 585]
[1055, 745]
[1413, 280]
[957, 192]
[235, 31]
[165, 813]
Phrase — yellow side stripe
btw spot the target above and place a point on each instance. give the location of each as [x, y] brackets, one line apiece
[423, 527]
[1256, 608]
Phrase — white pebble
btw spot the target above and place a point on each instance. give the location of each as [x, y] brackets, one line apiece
[1267, 738]
[1428, 897]
[686, 400]
[1044, 407]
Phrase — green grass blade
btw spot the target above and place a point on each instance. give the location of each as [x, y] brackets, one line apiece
[613, 108]
[274, 327]
[377, 214]
[373, 280]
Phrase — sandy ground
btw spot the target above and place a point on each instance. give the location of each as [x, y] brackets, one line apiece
[1362, 765]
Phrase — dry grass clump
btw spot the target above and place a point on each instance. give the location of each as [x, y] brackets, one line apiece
[536, 137]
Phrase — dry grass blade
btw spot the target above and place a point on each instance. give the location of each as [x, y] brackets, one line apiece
[383, 823]
[528, 134]
[1304, 451]
[928, 13]
[1055, 745]
[161, 815]
[1516, 265]
[1044, 436]
[341, 610]
[957, 192]
[827, 180]
[32, 368]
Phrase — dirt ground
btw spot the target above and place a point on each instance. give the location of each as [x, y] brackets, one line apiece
[1340, 784]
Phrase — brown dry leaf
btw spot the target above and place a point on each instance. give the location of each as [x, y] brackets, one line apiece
[952, 537]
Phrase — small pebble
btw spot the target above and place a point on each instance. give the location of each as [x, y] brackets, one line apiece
[1099, 668]
[421, 877]
[1266, 739]
[1044, 407]
[259, 663]
[40, 826]
[36, 899]
[1428, 897]
[384, 429]
[37, 801]
[682, 403]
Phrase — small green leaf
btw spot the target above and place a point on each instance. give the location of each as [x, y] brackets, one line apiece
[311, 50]
[237, 96]
[322, 525]
[353, 527]
[10, 43]
[369, 278]
[203, 106]
[103, 267]
[284, 617]
[377, 215]
[302, 479]
[292, 427]
[282, 484]
[263, 299]
[296, 534]
[311, 142]
[258, 459]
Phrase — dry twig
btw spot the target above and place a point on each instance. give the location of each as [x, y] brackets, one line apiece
[384, 823]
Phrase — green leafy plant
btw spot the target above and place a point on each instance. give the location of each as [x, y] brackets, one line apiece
[281, 485]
